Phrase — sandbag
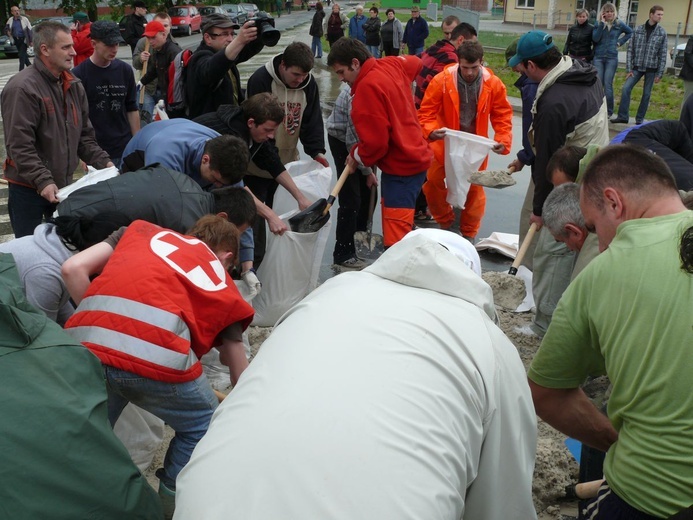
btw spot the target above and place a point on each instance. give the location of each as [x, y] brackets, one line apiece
[464, 154]
[91, 178]
[292, 262]
[141, 433]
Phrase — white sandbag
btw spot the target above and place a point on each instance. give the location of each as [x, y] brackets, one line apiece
[291, 266]
[464, 154]
[141, 432]
[503, 243]
[92, 177]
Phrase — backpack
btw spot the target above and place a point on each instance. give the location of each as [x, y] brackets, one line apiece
[176, 99]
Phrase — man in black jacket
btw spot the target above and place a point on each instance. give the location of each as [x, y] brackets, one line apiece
[213, 78]
[134, 24]
[255, 122]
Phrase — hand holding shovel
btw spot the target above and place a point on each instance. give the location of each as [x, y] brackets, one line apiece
[314, 217]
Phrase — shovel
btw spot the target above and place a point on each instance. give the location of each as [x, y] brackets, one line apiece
[493, 178]
[369, 246]
[508, 289]
[315, 216]
[145, 117]
[523, 249]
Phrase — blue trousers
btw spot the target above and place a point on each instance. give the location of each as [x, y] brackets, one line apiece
[316, 46]
[374, 50]
[606, 70]
[27, 209]
[185, 407]
[624, 106]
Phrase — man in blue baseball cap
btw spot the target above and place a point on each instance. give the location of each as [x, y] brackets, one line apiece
[569, 109]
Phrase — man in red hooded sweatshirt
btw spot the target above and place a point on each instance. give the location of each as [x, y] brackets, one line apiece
[388, 129]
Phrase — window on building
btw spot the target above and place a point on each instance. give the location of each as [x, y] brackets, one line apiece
[524, 4]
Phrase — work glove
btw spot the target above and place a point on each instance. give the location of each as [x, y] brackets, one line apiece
[253, 285]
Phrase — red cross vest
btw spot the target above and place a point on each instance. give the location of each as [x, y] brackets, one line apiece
[158, 305]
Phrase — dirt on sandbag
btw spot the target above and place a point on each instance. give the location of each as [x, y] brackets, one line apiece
[508, 290]
[492, 178]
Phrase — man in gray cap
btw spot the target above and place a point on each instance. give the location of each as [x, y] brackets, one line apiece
[111, 91]
[569, 109]
[213, 78]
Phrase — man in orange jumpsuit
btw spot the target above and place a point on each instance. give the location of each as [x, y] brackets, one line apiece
[463, 97]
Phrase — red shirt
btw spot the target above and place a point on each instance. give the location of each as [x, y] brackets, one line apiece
[385, 117]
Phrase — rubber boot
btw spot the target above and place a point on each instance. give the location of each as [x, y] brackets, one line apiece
[168, 501]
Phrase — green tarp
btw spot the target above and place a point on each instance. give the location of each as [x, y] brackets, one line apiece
[59, 458]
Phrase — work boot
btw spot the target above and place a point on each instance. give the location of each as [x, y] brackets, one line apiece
[168, 501]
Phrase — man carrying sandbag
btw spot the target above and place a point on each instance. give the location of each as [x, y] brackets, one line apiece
[463, 97]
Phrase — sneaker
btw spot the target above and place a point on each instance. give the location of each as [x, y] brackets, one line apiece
[423, 216]
[352, 264]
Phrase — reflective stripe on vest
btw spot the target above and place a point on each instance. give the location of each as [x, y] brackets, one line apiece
[131, 345]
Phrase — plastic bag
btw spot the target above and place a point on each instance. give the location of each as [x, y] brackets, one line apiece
[92, 177]
[464, 154]
[141, 433]
[292, 262]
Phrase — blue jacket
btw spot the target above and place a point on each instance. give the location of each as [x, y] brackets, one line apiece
[415, 33]
[178, 144]
[607, 42]
[356, 28]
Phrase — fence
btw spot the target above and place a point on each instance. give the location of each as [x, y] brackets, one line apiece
[465, 15]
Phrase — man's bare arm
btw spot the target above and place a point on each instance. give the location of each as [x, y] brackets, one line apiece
[571, 412]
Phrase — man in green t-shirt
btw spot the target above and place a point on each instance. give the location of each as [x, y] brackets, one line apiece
[628, 316]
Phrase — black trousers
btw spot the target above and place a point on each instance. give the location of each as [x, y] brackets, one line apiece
[354, 200]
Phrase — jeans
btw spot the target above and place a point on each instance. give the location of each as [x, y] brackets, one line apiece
[606, 69]
[415, 51]
[316, 46]
[624, 106]
[374, 50]
[185, 407]
[27, 209]
[148, 104]
[21, 45]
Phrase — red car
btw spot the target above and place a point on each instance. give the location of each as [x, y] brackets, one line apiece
[185, 19]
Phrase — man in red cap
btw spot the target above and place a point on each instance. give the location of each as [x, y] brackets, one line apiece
[166, 51]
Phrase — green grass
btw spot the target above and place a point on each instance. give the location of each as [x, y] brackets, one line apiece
[665, 101]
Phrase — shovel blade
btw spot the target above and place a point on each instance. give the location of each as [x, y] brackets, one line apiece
[310, 219]
[368, 246]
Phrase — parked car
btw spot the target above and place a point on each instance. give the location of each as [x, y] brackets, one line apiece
[236, 12]
[677, 55]
[206, 10]
[312, 4]
[10, 50]
[185, 19]
[147, 17]
[65, 20]
[251, 9]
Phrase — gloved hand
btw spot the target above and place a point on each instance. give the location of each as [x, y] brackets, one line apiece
[139, 85]
[254, 286]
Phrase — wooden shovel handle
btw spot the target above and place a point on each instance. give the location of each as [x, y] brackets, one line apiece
[144, 70]
[337, 188]
[523, 248]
